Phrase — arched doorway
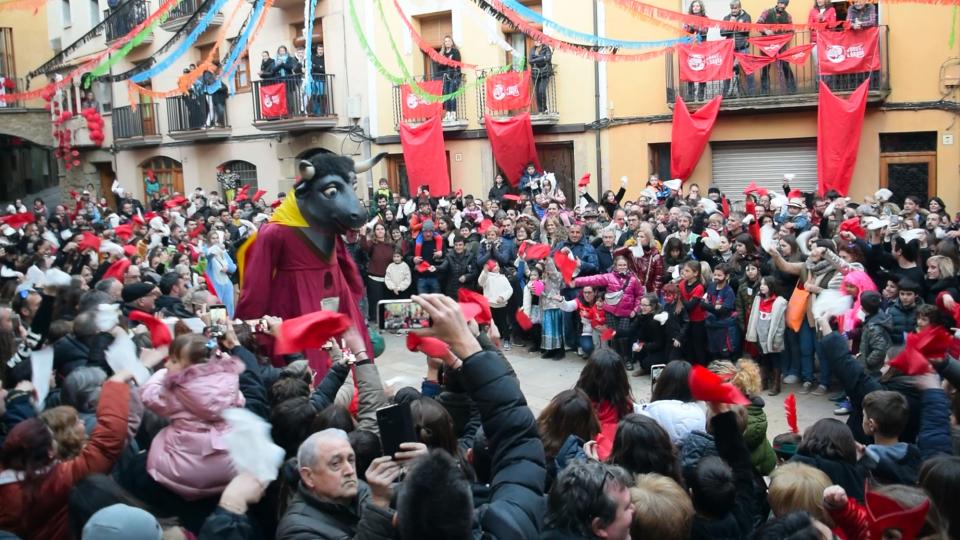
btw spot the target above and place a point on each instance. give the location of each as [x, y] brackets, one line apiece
[168, 171]
[233, 174]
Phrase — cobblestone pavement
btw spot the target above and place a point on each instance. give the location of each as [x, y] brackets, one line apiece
[542, 379]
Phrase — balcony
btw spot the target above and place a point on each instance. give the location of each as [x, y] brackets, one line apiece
[136, 127]
[300, 113]
[547, 115]
[133, 13]
[12, 84]
[180, 14]
[455, 121]
[187, 119]
[779, 95]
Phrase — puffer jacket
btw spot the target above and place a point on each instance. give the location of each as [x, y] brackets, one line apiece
[677, 418]
[762, 456]
[612, 282]
[309, 517]
[69, 353]
[903, 320]
[189, 456]
[746, 292]
[875, 341]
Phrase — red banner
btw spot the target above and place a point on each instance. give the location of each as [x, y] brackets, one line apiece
[273, 100]
[839, 122]
[797, 55]
[707, 61]
[508, 91]
[512, 142]
[853, 51]
[750, 63]
[415, 107]
[771, 45]
[425, 156]
[690, 134]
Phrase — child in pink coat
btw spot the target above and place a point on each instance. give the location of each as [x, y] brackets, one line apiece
[189, 456]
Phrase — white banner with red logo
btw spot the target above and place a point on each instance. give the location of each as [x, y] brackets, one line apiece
[508, 91]
[707, 61]
[415, 107]
[853, 51]
[273, 100]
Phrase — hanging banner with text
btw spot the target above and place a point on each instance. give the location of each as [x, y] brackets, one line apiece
[854, 51]
[513, 147]
[707, 61]
[508, 91]
[425, 156]
[839, 124]
[416, 108]
[273, 100]
[690, 134]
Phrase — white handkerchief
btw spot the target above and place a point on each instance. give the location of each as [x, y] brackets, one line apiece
[42, 365]
[122, 355]
[250, 446]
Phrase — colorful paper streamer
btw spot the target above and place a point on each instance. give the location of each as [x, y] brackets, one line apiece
[188, 42]
[309, 12]
[243, 43]
[530, 14]
[425, 47]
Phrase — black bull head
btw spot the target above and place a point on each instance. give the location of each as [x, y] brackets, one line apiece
[327, 194]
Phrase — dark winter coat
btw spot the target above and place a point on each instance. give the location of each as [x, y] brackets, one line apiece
[309, 518]
[875, 341]
[453, 266]
[496, 193]
[645, 329]
[903, 320]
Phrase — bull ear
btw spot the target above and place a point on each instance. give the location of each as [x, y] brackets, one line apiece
[306, 170]
[368, 164]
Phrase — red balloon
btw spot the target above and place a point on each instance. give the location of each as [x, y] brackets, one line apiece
[75, 153]
[76, 163]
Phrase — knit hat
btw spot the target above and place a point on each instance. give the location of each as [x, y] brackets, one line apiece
[122, 521]
[136, 291]
[428, 225]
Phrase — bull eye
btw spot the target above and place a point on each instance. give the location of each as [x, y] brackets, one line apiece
[330, 191]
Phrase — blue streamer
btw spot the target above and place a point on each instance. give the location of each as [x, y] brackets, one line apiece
[240, 46]
[184, 47]
[308, 44]
[591, 39]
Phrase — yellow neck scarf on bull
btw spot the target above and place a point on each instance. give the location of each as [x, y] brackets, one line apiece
[288, 213]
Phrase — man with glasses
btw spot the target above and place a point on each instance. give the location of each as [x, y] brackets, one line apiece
[740, 45]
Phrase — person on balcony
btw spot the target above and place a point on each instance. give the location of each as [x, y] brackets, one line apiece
[541, 62]
[267, 67]
[451, 77]
[777, 15]
[861, 15]
[740, 45]
[318, 96]
[700, 31]
[215, 96]
[822, 13]
[285, 68]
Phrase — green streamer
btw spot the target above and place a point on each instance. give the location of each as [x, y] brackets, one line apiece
[104, 67]
[407, 77]
[953, 27]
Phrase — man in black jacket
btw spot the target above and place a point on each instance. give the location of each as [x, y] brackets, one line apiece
[456, 268]
[434, 499]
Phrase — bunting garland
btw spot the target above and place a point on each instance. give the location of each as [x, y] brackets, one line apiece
[184, 47]
[309, 12]
[104, 67]
[639, 8]
[185, 81]
[87, 66]
[34, 5]
[244, 41]
[530, 14]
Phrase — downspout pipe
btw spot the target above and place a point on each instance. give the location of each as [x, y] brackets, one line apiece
[596, 101]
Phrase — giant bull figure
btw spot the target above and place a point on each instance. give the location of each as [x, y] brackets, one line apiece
[297, 263]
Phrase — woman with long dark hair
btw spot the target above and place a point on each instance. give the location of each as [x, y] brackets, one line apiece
[569, 415]
[379, 251]
[450, 75]
[604, 381]
[695, 91]
[672, 404]
[642, 446]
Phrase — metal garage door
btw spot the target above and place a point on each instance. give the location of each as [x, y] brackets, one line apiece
[737, 164]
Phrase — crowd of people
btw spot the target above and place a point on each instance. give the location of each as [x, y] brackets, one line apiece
[764, 289]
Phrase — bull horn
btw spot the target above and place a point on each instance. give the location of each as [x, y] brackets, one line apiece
[368, 164]
[306, 170]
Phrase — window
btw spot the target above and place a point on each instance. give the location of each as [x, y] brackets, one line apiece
[234, 174]
[8, 67]
[296, 30]
[433, 28]
[168, 172]
[660, 160]
[521, 43]
[94, 13]
[241, 76]
[918, 141]
[65, 13]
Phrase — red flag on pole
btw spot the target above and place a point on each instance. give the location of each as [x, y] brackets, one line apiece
[839, 123]
[425, 156]
[707, 61]
[414, 107]
[849, 52]
[689, 135]
[771, 45]
[508, 91]
[273, 100]
[512, 142]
